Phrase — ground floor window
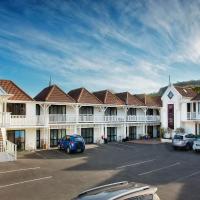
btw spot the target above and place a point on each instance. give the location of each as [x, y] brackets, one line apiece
[112, 134]
[132, 132]
[88, 135]
[55, 136]
[17, 137]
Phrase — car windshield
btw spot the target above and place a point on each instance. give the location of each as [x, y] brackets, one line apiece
[179, 137]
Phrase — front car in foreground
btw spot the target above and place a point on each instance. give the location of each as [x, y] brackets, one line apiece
[120, 191]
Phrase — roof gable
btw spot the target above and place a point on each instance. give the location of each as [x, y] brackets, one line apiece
[186, 91]
[150, 101]
[53, 94]
[16, 92]
[82, 95]
[108, 97]
[130, 99]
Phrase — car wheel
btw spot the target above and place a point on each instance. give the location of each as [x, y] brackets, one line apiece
[187, 147]
[196, 150]
[68, 150]
[175, 148]
[82, 150]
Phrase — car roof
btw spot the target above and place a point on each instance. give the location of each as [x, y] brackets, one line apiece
[115, 191]
[183, 134]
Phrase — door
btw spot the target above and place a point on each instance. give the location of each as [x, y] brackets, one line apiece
[171, 116]
[150, 131]
[55, 136]
[112, 134]
[38, 139]
[17, 137]
[132, 132]
[88, 135]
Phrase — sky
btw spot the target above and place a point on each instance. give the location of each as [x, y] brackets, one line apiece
[121, 45]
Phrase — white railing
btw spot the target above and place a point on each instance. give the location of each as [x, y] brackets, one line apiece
[114, 118]
[23, 120]
[61, 118]
[142, 118]
[193, 116]
[10, 148]
[5, 118]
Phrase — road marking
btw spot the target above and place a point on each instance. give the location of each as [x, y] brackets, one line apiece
[18, 170]
[22, 182]
[155, 170]
[134, 164]
[188, 176]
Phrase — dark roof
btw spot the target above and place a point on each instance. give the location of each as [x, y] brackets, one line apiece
[196, 98]
[17, 93]
[81, 95]
[186, 91]
[53, 94]
[108, 97]
[151, 101]
[130, 99]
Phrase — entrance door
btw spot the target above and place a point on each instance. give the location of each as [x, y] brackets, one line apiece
[112, 134]
[171, 116]
[88, 135]
[55, 136]
[17, 137]
[38, 139]
[132, 132]
[150, 131]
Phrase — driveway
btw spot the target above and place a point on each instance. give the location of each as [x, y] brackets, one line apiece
[55, 175]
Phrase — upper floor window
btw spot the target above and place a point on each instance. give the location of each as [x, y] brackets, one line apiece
[188, 107]
[111, 111]
[86, 110]
[132, 111]
[37, 109]
[194, 107]
[16, 108]
[150, 112]
[57, 109]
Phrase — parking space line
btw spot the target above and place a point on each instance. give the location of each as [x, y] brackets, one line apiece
[22, 182]
[159, 169]
[188, 176]
[18, 170]
[134, 164]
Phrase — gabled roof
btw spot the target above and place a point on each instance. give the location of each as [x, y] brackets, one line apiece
[17, 93]
[81, 95]
[150, 101]
[186, 91]
[130, 99]
[3, 92]
[53, 94]
[108, 97]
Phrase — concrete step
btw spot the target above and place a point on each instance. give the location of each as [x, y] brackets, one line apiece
[5, 157]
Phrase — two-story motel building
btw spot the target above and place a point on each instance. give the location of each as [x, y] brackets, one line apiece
[39, 122]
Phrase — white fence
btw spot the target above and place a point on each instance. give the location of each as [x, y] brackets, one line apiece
[9, 148]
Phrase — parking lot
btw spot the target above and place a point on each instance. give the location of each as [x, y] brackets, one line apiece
[55, 175]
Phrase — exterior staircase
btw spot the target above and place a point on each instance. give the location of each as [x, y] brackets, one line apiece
[8, 150]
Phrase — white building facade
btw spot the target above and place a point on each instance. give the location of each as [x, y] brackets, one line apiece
[39, 123]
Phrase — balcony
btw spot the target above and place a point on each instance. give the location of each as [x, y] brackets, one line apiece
[23, 120]
[5, 119]
[143, 118]
[193, 116]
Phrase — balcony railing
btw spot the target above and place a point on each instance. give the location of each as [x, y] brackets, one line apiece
[5, 118]
[23, 120]
[142, 118]
[193, 116]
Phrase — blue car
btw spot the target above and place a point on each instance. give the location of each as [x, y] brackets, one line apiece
[72, 143]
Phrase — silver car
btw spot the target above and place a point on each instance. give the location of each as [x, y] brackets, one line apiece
[120, 191]
[183, 140]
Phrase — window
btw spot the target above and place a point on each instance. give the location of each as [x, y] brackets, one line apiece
[57, 109]
[55, 136]
[143, 197]
[16, 108]
[88, 135]
[132, 111]
[37, 109]
[150, 112]
[170, 95]
[188, 107]
[111, 111]
[198, 107]
[86, 110]
[194, 107]
[132, 132]
[111, 134]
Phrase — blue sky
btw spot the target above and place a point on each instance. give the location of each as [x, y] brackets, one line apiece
[123, 45]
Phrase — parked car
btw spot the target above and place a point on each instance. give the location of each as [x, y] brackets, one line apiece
[72, 143]
[196, 144]
[183, 140]
[120, 191]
